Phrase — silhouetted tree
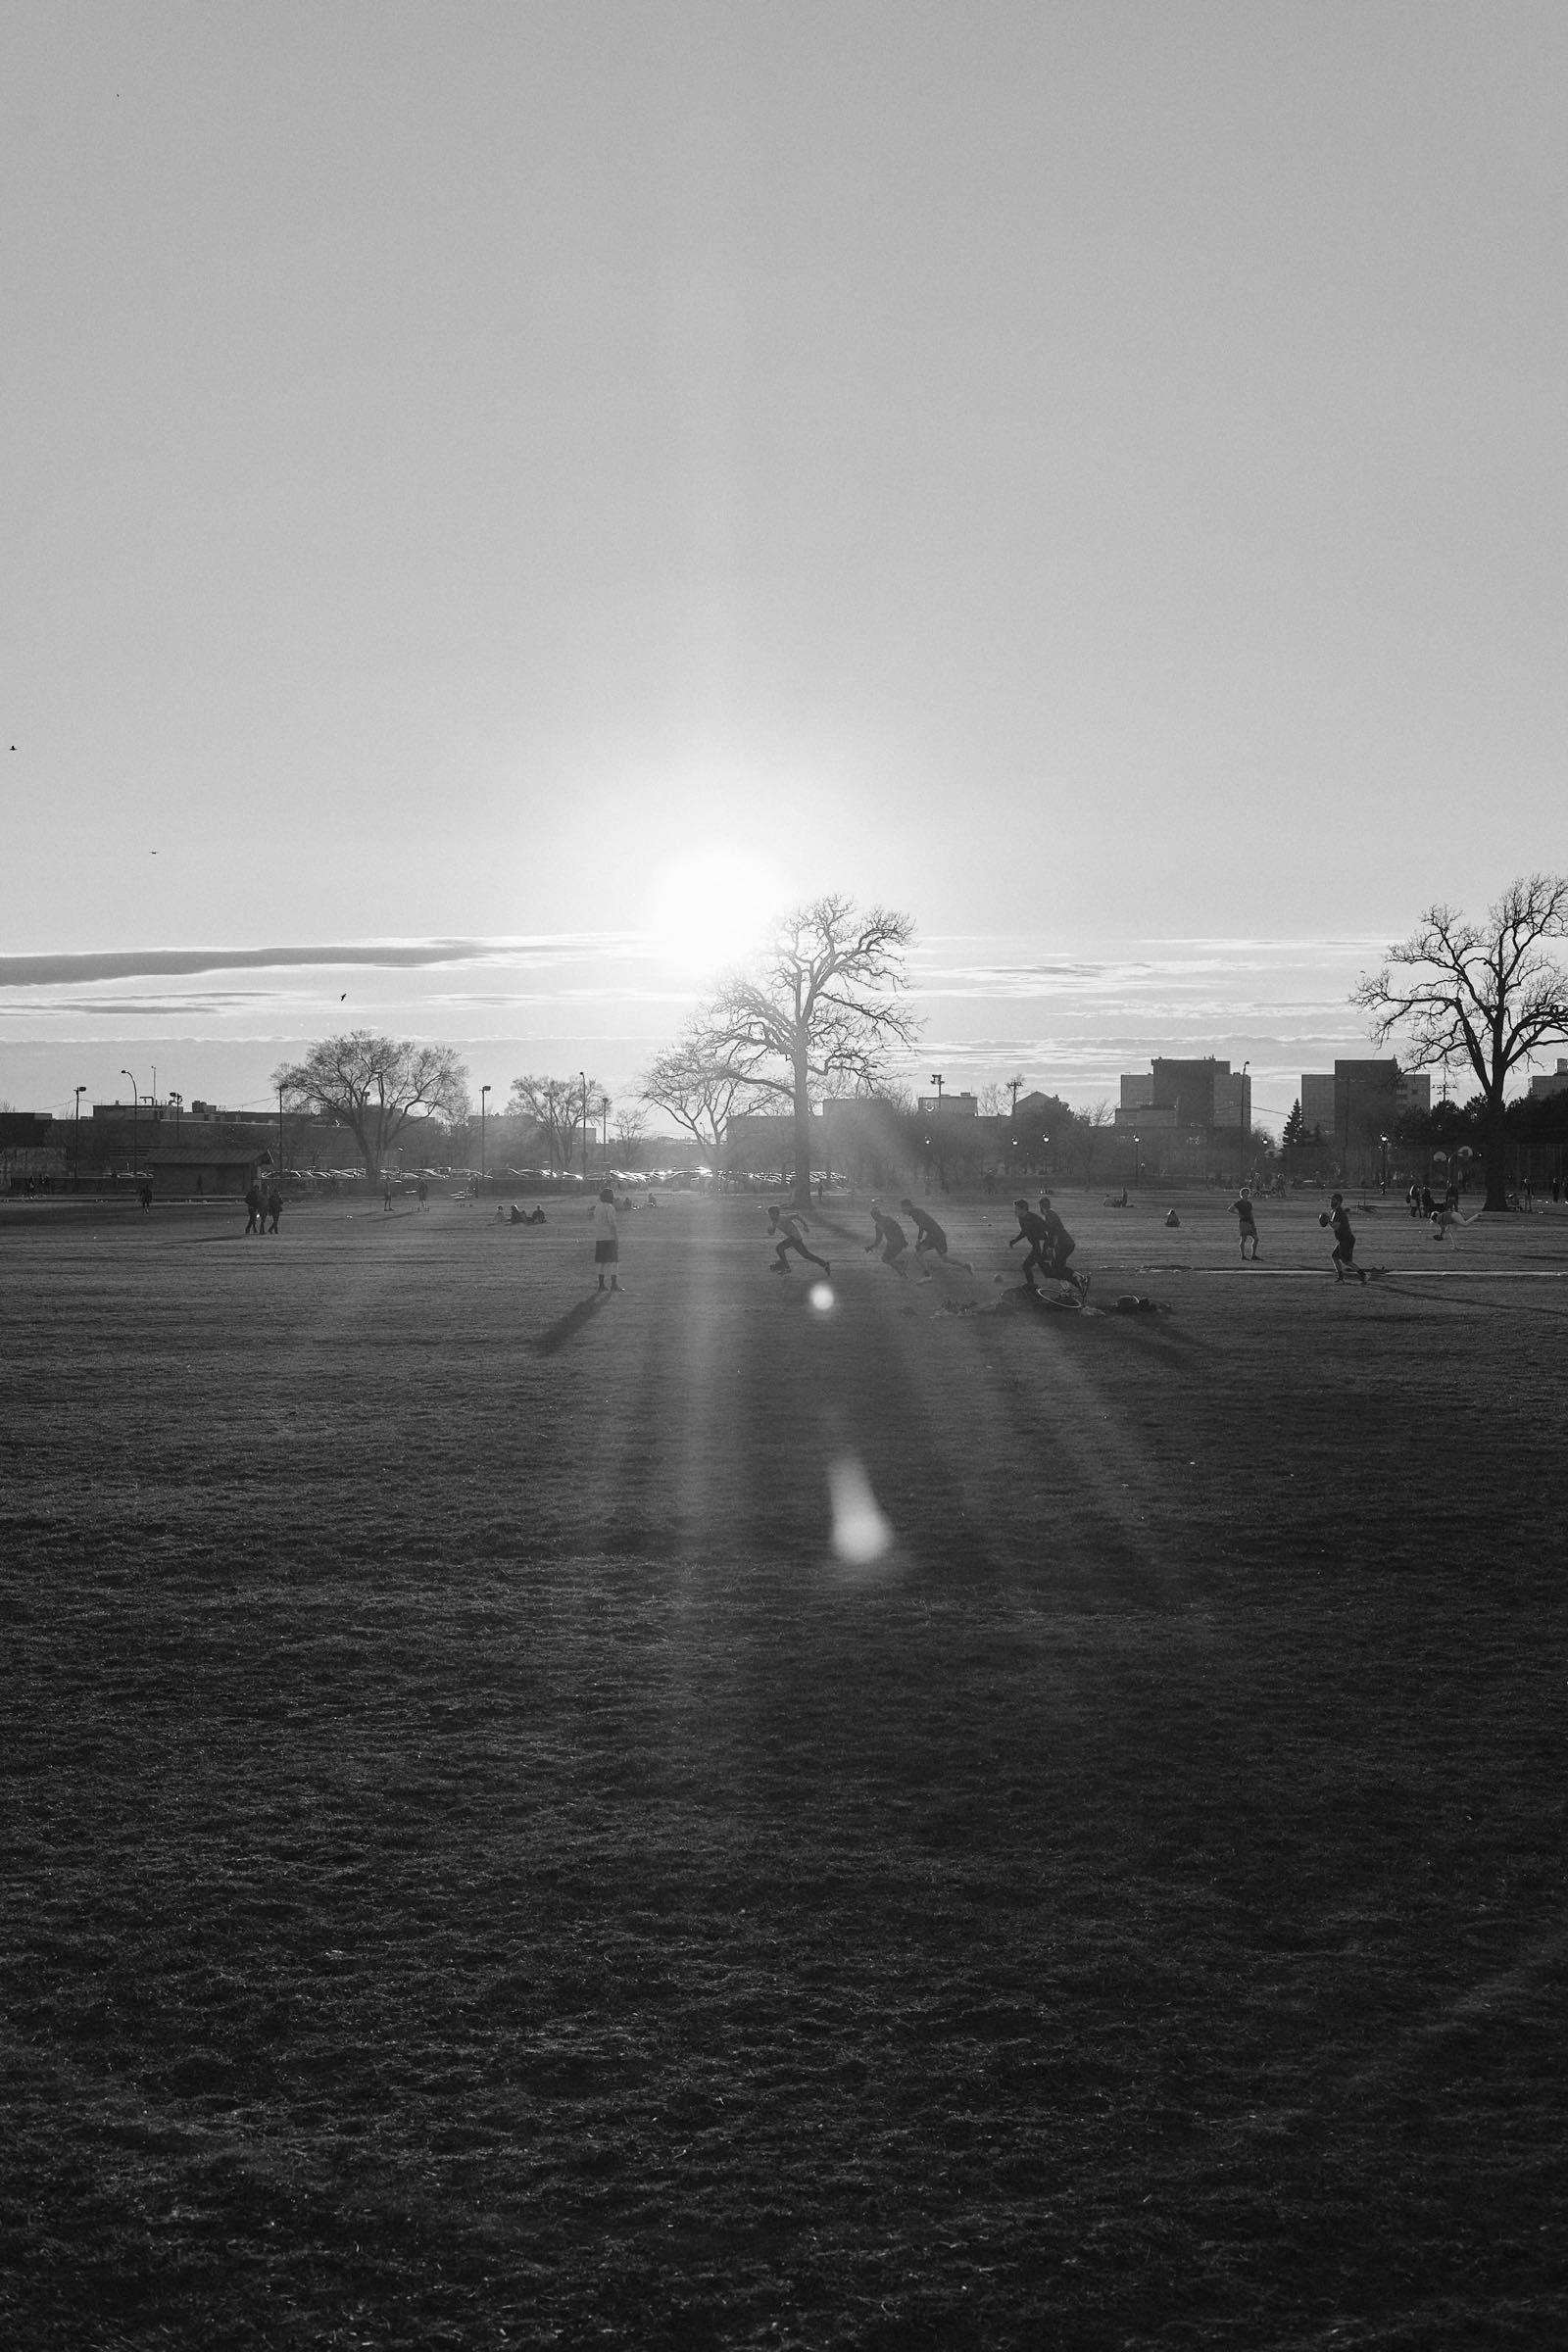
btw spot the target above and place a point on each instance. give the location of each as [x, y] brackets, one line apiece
[557, 1107]
[374, 1085]
[701, 1092]
[1484, 995]
[819, 1009]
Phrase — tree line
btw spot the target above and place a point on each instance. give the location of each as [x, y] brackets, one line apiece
[822, 1009]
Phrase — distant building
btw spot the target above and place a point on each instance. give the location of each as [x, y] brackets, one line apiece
[1188, 1116]
[1317, 1102]
[203, 1171]
[1200, 1097]
[950, 1106]
[1555, 1083]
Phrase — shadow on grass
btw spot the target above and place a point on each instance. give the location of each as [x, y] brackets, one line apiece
[554, 1335]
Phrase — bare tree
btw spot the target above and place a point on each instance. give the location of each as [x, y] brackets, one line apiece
[993, 1101]
[821, 1008]
[1091, 1124]
[700, 1094]
[557, 1108]
[374, 1085]
[1485, 994]
[631, 1126]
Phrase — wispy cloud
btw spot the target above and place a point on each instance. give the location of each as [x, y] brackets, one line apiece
[389, 955]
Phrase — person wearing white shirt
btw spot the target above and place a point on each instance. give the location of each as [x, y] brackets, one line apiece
[606, 1239]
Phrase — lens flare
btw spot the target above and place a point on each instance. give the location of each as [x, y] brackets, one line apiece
[820, 1295]
[860, 1532]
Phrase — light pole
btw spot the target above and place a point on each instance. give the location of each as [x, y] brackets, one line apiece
[483, 1091]
[936, 1080]
[280, 1139]
[179, 1100]
[1240, 1183]
[1014, 1085]
[134, 1153]
[1137, 1165]
[583, 1075]
[1383, 1140]
[75, 1143]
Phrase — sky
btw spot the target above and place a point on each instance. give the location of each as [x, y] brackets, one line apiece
[499, 499]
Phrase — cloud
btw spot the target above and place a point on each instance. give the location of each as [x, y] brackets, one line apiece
[388, 955]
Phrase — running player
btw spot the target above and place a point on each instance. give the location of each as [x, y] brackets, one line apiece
[893, 1239]
[786, 1230]
[1044, 1251]
[1063, 1247]
[1344, 1241]
[928, 1235]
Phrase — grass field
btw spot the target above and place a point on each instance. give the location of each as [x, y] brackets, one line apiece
[481, 1870]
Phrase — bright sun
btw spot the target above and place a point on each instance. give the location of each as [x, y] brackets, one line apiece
[709, 906]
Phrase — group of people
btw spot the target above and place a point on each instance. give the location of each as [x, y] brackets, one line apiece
[1049, 1249]
[1050, 1245]
[260, 1207]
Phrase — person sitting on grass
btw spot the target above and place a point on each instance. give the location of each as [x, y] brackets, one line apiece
[785, 1229]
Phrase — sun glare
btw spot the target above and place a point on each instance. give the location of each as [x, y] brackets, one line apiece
[709, 906]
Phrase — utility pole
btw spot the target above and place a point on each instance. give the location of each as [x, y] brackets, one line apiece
[280, 1139]
[135, 1154]
[583, 1075]
[483, 1091]
[1014, 1085]
[1242, 1117]
[75, 1143]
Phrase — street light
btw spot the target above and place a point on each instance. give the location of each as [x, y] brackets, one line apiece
[1137, 1165]
[936, 1080]
[583, 1075]
[75, 1143]
[136, 1155]
[483, 1091]
[1242, 1117]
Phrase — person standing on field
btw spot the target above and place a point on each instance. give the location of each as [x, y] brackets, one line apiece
[606, 1239]
[254, 1204]
[274, 1207]
[1241, 1210]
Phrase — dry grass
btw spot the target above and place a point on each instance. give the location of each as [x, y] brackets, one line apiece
[480, 1872]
